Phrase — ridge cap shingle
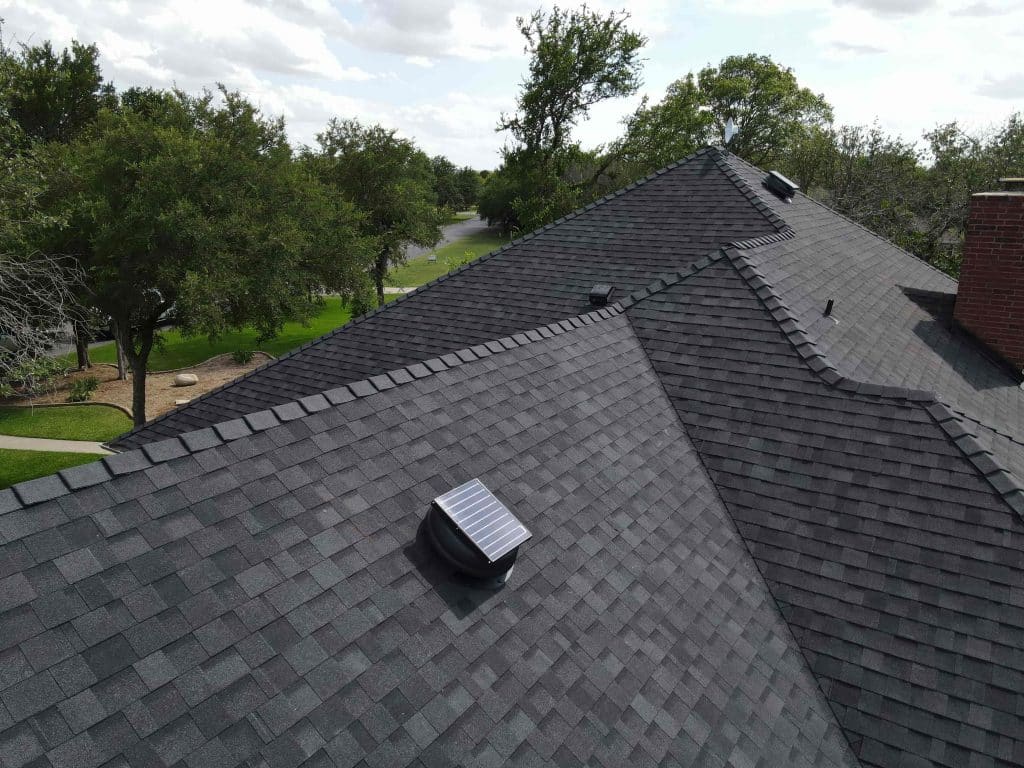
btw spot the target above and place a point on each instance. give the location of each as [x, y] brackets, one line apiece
[729, 158]
[1004, 482]
[721, 160]
[117, 443]
[38, 490]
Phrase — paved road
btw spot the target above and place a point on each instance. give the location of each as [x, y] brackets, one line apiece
[45, 444]
[450, 233]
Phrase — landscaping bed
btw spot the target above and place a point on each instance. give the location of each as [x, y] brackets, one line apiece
[160, 390]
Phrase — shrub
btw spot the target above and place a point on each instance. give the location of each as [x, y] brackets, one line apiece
[453, 262]
[35, 376]
[242, 356]
[82, 389]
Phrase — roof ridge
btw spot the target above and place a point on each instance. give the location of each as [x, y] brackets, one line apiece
[402, 297]
[1002, 480]
[63, 482]
[963, 415]
[747, 191]
[844, 217]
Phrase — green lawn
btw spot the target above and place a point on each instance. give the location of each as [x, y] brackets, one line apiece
[180, 352]
[455, 218]
[420, 271]
[17, 466]
[69, 422]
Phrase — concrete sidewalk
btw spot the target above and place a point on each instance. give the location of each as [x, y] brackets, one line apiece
[45, 444]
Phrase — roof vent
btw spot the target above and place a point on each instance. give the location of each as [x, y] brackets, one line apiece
[476, 533]
[780, 185]
[600, 294]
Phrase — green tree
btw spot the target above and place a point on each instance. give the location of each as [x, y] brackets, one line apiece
[53, 96]
[769, 108]
[389, 180]
[37, 290]
[194, 205]
[659, 134]
[456, 188]
[446, 183]
[578, 58]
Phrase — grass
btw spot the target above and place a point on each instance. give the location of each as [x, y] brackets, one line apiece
[420, 271]
[455, 218]
[178, 351]
[78, 422]
[18, 466]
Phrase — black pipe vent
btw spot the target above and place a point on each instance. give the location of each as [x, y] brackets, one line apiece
[601, 294]
[476, 533]
[781, 186]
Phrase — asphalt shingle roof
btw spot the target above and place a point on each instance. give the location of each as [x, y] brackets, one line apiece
[895, 562]
[761, 537]
[263, 594]
[628, 240]
[892, 319]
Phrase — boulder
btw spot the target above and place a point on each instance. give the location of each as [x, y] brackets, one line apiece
[185, 380]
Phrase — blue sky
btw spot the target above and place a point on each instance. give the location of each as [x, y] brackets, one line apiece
[441, 71]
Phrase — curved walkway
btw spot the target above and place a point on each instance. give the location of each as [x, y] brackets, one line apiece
[46, 444]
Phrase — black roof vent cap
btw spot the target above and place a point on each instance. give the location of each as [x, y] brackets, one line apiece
[475, 533]
[601, 294]
[781, 186]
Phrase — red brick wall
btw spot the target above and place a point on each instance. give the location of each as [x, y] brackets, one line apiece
[990, 300]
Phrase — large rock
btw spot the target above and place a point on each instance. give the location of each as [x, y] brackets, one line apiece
[185, 380]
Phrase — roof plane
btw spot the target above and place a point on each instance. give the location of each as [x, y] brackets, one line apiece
[761, 536]
[265, 593]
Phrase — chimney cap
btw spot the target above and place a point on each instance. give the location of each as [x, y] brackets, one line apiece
[1012, 183]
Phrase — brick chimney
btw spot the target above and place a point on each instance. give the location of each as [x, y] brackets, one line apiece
[990, 299]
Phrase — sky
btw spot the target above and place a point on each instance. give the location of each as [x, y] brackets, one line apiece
[442, 71]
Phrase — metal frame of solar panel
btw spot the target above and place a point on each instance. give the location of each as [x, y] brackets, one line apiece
[483, 519]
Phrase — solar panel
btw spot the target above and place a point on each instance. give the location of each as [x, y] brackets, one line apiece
[485, 521]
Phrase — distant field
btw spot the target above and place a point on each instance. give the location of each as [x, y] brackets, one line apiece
[70, 422]
[18, 466]
[420, 270]
[179, 352]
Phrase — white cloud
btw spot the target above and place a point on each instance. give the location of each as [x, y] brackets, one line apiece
[890, 7]
[1005, 87]
[420, 61]
[442, 70]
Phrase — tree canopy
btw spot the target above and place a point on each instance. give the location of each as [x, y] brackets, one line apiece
[37, 290]
[388, 179]
[770, 109]
[456, 188]
[578, 58]
[192, 205]
[53, 96]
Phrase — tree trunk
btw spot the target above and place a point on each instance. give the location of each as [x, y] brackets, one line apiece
[136, 346]
[138, 390]
[122, 362]
[82, 338]
[380, 271]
